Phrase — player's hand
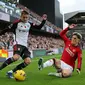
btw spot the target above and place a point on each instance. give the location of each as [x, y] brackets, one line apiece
[72, 26]
[44, 16]
[78, 71]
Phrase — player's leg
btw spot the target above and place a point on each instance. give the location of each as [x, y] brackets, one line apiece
[45, 64]
[15, 58]
[64, 74]
[66, 71]
[57, 65]
[17, 51]
[9, 61]
[23, 64]
[55, 62]
[26, 57]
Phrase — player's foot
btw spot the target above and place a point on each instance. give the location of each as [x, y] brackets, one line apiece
[55, 74]
[40, 64]
[10, 74]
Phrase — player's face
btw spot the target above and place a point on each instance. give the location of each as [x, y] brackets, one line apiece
[75, 41]
[24, 17]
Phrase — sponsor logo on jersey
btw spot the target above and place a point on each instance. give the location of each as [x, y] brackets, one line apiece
[69, 52]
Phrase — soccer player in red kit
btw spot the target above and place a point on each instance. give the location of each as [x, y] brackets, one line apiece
[71, 52]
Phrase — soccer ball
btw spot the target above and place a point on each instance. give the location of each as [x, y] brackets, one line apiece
[19, 75]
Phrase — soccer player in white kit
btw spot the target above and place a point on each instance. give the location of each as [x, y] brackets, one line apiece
[20, 30]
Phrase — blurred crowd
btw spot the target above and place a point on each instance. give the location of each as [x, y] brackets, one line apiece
[6, 41]
[41, 42]
[34, 42]
[14, 9]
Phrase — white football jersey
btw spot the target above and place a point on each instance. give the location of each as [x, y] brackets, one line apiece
[22, 32]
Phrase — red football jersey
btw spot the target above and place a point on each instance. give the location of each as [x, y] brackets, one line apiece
[70, 53]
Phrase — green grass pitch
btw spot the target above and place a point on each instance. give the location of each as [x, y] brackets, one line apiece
[36, 77]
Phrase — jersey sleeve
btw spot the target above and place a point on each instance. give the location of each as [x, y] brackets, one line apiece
[63, 34]
[38, 26]
[9, 28]
[79, 59]
[13, 27]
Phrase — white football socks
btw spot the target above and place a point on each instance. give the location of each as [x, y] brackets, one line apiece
[48, 63]
[10, 71]
[55, 74]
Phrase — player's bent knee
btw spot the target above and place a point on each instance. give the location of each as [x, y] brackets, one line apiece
[54, 60]
[16, 57]
[66, 74]
[56, 63]
[27, 60]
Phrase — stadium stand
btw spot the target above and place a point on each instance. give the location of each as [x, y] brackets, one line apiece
[47, 38]
[77, 17]
[42, 42]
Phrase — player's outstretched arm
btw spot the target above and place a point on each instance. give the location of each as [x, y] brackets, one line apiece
[9, 28]
[79, 61]
[44, 17]
[63, 32]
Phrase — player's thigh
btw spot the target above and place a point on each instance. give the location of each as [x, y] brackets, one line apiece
[16, 57]
[66, 69]
[17, 51]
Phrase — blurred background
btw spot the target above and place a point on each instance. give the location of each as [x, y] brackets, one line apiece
[47, 40]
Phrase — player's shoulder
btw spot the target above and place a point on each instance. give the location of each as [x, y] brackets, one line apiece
[14, 24]
[29, 21]
[16, 21]
[68, 41]
[28, 24]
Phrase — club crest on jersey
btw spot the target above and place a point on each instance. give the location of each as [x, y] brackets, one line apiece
[23, 26]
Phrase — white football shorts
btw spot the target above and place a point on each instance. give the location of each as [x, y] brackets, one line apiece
[66, 66]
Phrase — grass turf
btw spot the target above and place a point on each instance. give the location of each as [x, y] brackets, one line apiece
[36, 77]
